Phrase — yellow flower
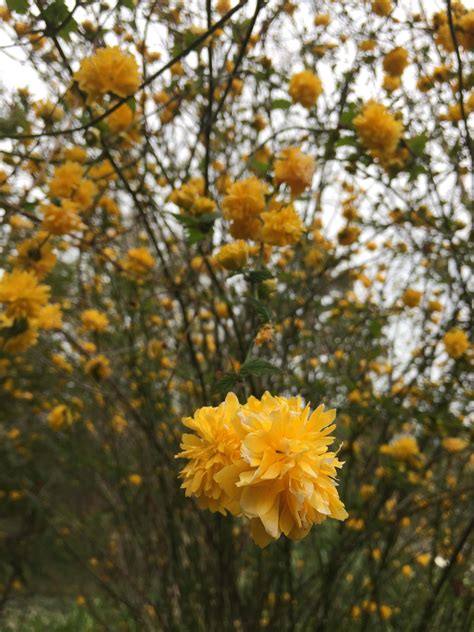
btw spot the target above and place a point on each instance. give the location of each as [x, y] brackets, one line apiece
[75, 154]
[190, 198]
[294, 169]
[119, 423]
[322, 19]
[36, 255]
[391, 83]
[404, 448]
[48, 111]
[49, 317]
[84, 195]
[233, 256]
[16, 337]
[66, 179]
[412, 298]
[454, 444]
[139, 260]
[282, 227]
[242, 205]
[305, 88]
[378, 130]
[286, 480]
[395, 62]
[93, 320]
[59, 416]
[108, 70]
[22, 295]
[348, 235]
[61, 219]
[135, 479]
[456, 342]
[382, 7]
[214, 445]
[121, 119]
[98, 367]
[423, 559]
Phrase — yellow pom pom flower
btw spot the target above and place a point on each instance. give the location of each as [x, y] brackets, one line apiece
[22, 295]
[294, 169]
[305, 88]
[233, 256]
[108, 70]
[378, 130]
[456, 342]
[268, 461]
[242, 205]
[282, 227]
[395, 62]
[93, 320]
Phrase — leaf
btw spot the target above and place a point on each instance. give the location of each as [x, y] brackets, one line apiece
[227, 382]
[417, 144]
[257, 276]
[345, 140]
[262, 310]
[348, 115]
[56, 14]
[261, 168]
[258, 367]
[20, 6]
[280, 104]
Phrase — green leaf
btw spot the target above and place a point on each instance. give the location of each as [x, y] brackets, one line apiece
[262, 310]
[56, 14]
[261, 168]
[257, 276]
[417, 144]
[280, 104]
[345, 140]
[20, 6]
[227, 382]
[349, 114]
[258, 367]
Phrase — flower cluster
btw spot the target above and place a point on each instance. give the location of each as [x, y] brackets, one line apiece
[266, 460]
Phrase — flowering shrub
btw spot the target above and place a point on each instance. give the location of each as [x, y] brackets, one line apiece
[222, 222]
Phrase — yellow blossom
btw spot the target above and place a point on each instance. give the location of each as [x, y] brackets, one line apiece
[456, 342]
[66, 179]
[139, 260]
[305, 88]
[411, 297]
[294, 169]
[281, 227]
[98, 367]
[61, 219]
[36, 255]
[454, 444]
[404, 448]
[93, 320]
[59, 416]
[382, 7]
[244, 202]
[233, 256]
[108, 70]
[395, 62]
[378, 130]
[21, 294]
